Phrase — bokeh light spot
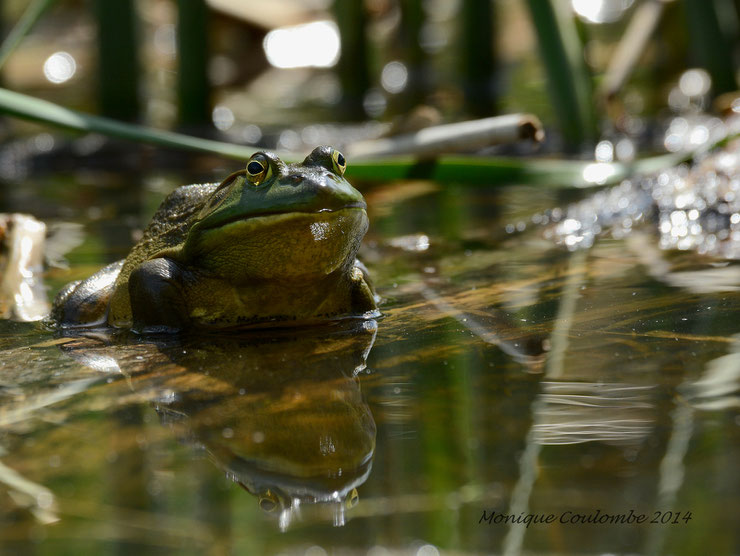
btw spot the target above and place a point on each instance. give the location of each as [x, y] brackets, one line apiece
[311, 45]
[60, 67]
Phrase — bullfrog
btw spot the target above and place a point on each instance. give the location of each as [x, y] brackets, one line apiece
[273, 244]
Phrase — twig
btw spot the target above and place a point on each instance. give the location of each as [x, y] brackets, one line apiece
[446, 138]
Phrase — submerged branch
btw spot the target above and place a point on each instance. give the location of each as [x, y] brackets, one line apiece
[460, 136]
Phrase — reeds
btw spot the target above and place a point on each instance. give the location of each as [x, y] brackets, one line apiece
[118, 60]
[570, 87]
[193, 88]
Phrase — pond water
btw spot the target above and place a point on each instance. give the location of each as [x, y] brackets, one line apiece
[508, 382]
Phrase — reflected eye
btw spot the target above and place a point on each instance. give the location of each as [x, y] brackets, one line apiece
[258, 169]
[339, 163]
[352, 499]
[269, 501]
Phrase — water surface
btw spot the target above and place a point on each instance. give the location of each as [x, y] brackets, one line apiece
[507, 377]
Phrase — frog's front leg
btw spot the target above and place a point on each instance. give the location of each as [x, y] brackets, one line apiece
[158, 302]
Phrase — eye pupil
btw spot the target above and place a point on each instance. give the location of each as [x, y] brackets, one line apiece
[340, 159]
[255, 168]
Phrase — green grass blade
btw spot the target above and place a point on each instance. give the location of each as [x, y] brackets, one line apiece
[29, 18]
[447, 169]
[570, 82]
[490, 171]
[30, 108]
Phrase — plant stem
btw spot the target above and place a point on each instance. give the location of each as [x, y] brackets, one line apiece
[30, 108]
[446, 169]
[193, 88]
[710, 45]
[570, 82]
[29, 18]
[352, 69]
[118, 60]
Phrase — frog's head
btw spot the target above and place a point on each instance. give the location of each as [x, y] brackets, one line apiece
[274, 220]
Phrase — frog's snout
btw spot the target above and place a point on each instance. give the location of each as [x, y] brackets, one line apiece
[315, 182]
[294, 179]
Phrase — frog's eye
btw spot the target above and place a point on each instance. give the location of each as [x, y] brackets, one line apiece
[351, 499]
[339, 163]
[258, 169]
[269, 501]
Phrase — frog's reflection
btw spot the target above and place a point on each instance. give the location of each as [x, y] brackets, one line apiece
[281, 413]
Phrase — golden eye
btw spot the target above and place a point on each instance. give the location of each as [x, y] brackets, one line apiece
[269, 501]
[258, 169]
[352, 498]
[340, 164]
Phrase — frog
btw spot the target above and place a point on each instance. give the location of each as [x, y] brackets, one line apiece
[273, 244]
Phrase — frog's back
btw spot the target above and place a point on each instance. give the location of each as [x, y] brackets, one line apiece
[169, 228]
[169, 225]
[87, 302]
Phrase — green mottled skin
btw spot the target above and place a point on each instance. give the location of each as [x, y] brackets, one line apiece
[238, 254]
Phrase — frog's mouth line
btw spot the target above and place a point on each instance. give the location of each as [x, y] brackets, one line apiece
[359, 205]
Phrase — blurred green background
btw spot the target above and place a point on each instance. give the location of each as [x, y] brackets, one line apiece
[257, 72]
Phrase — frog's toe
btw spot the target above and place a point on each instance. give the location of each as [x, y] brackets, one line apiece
[364, 299]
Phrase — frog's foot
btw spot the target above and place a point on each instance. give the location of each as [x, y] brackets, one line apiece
[364, 299]
[85, 303]
[157, 300]
[358, 265]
